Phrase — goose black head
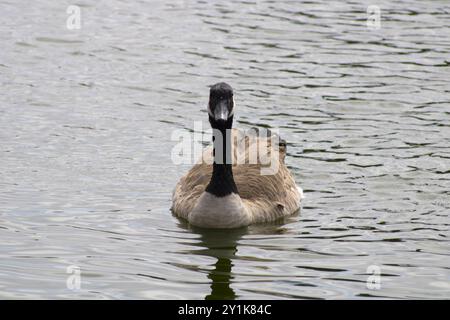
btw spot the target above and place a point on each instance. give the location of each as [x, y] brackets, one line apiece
[221, 106]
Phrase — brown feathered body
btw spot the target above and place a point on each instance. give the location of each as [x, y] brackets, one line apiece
[266, 197]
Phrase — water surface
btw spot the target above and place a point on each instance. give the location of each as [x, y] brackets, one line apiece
[86, 176]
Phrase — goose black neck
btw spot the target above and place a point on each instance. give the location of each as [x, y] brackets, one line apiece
[222, 181]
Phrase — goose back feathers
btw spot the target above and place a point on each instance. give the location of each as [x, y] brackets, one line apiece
[259, 198]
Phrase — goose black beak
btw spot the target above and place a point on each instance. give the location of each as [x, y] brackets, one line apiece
[221, 111]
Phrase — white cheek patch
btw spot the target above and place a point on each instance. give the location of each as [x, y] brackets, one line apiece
[232, 110]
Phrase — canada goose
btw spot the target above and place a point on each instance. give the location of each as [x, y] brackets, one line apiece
[220, 192]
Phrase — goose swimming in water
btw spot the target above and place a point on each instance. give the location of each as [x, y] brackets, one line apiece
[222, 192]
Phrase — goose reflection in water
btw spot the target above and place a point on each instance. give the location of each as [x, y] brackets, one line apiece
[222, 244]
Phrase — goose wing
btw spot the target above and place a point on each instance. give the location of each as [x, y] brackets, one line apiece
[267, 188]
